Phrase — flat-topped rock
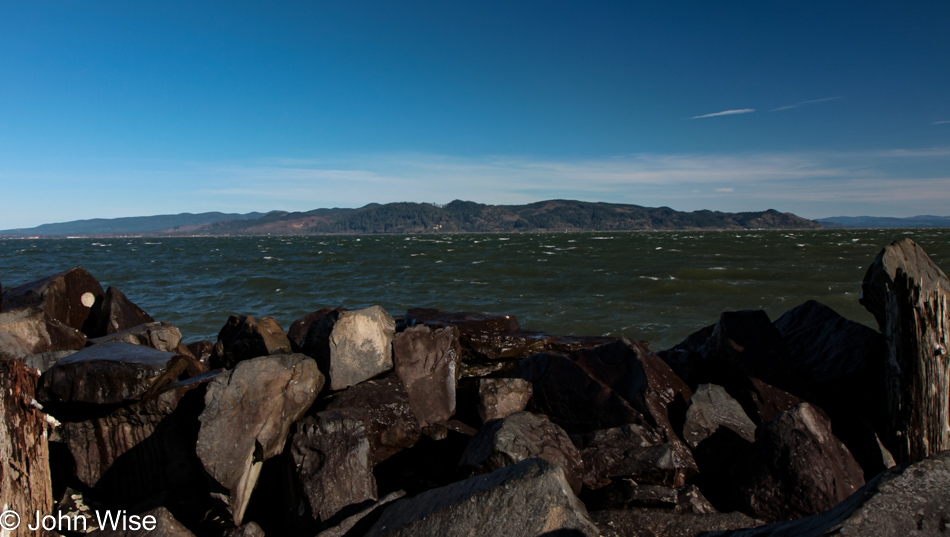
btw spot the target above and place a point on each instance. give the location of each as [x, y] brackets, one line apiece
[351, 346]
[111, 373]
[427, 362]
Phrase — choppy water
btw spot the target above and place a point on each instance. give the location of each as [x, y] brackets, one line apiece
[658, 286]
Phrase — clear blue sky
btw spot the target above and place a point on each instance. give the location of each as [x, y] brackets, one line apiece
[112, 108]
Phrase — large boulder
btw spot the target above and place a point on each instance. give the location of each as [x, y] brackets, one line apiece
[502, 397]
[247, 417]
[521, 436]
[796, 467]
[572, 398]
[25, 482]
[30, 331]
[907, 500]
[908, 295]
[528, 499]
[427, 362]
[384, 405]
[297, 331]
[111, 373]
[333, 460]
[351, 346]
[243, 338]
[633, 451]
[114, 313]
[67, 296]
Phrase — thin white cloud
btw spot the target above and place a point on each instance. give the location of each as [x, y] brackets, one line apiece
[726, 113]
[813, 101]
[725, 190]
[941, 122]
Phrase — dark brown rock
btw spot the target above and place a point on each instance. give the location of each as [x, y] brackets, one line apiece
[25, 481]
[665, 523]
[351, 346]
[908, 295]
[243, 338]
[795, 468]
[633, 451]
[67, 296]
[333, 460]
[114, 313]
[427, 362]
[111, 373]
[202, 351]
[384, 405]
[521, 436]
[500, 398]
[247, 417]
[30, 331]
[572, 398]
[297, 332]
[911, 500]
[710, 408]
[251, 529]
[528, 499]
[628, 494]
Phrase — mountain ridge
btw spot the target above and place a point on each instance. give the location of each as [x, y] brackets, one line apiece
[410, 217]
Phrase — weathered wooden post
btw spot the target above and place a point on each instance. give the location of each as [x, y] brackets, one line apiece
[908, 294]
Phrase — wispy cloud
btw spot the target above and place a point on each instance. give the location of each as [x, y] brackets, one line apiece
[941, 122]
[726, 113]
[803, 103]
[725, 190]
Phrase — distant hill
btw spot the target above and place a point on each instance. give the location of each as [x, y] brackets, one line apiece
[400, 218]
[884, 221]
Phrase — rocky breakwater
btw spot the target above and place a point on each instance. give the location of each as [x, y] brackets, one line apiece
[354, 422]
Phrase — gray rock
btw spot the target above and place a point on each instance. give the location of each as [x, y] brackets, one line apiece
[247, 417]
[908, 500]
[45, 360]
[162, 336]
[500, 398]
[362, 519]
[710, 408]
[908, 295]
[30, 331]
[521, 436]
[331, 452]
[427, 362]
[528, 499]
[110, 373]
[67, 297]
[243, 338]
[352, 345]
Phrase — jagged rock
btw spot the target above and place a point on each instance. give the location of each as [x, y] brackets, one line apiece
[912, 499]
[247, 416]
[114, 313]
[628, 494]
[632, 451]
[572, 398]
[25, 483]
[251, 529]
[202, 351]
[243, 338]
[427, 362]
[842, 364]
[332, 455]
[485, 336]
[528, 499]
[111, 373]
[297, 332]
[795, 468]
[748, 341]
[352, 346]
[687, 359]
[165, 525]
[664, 523]
[647, 383]
[30, 331]
[45, 360]
[431, 462]
[384, 405]
[521, 436]
[908, 295]
[710, 408]
[67, 297]
[500, 398]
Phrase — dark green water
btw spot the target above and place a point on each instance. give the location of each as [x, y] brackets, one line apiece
[658, 286]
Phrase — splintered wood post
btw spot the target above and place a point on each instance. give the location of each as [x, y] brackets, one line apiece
[908, 294]
[25, 486]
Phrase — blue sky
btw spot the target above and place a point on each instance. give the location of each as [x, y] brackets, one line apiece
[125, 108]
